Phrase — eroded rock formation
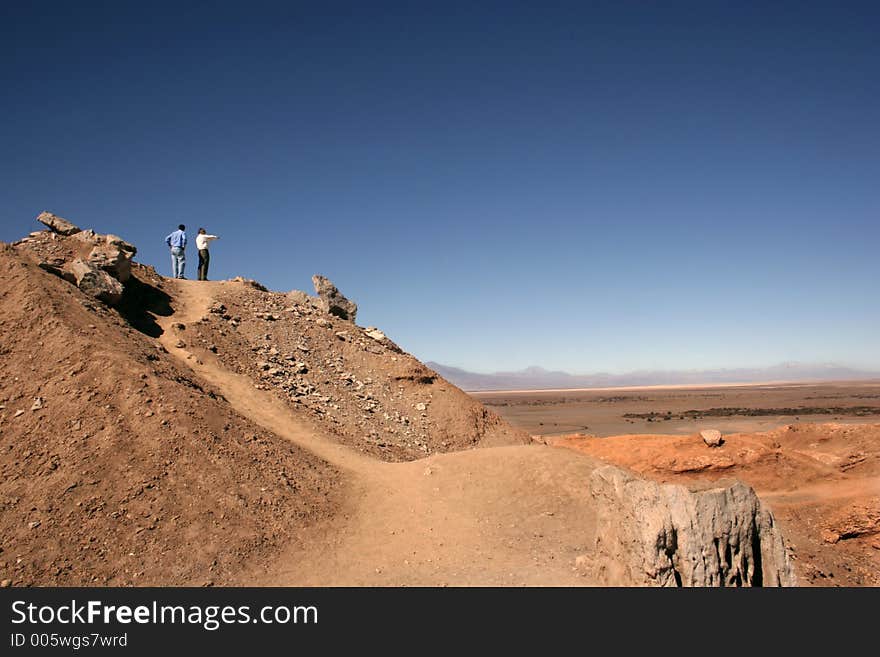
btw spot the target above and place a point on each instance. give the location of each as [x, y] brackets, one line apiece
[332, 300]
[652, 534]
[98, 264]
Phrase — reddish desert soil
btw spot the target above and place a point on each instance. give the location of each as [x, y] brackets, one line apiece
[822, 481]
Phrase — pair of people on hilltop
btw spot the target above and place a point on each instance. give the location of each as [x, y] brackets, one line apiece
[176, 241]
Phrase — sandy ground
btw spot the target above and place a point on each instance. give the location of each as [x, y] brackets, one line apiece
[602, 411]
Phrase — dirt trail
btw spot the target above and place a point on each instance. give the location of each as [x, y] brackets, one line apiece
[260, 406]
[508, 515]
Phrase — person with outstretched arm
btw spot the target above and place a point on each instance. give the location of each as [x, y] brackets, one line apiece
[176, 241]
[202, 241]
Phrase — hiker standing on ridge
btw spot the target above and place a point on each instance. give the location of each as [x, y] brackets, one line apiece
[177, 243]
[202, 241]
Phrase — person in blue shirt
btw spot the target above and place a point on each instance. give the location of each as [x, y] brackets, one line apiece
[176, 241]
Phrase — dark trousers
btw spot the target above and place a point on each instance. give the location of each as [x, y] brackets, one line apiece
[204, 259]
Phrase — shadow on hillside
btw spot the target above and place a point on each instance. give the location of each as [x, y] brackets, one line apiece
[140, 303]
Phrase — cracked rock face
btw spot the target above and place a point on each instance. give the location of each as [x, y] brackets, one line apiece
[652, 534]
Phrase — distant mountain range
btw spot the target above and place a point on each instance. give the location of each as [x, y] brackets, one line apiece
[537, 378]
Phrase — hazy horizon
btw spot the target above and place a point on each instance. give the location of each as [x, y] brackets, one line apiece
[605, 186]
[771, 366]
[536, 378]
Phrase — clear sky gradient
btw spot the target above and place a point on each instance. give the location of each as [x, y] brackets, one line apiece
[586, 186]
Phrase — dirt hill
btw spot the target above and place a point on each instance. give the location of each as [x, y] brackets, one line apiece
[353, 383]
[165, 432]
[119, 466]
[122, 465]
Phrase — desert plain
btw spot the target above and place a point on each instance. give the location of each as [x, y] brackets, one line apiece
[685, 409]
[810, 450]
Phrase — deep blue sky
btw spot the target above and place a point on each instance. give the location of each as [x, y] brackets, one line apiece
[585, 186]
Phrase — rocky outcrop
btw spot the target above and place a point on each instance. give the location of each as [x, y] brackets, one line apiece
[96, 282]
[652, 534]
[57, 224]
[858, 519]
[112, 255]
[331, 299]
[97, 264]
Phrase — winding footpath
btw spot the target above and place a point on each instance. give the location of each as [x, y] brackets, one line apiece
[516, 515]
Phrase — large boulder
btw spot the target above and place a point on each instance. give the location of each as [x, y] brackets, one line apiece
[332, 300]
[57, 224]
[96, 282]
[712, 437]
[652, 534]
[113, 255]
